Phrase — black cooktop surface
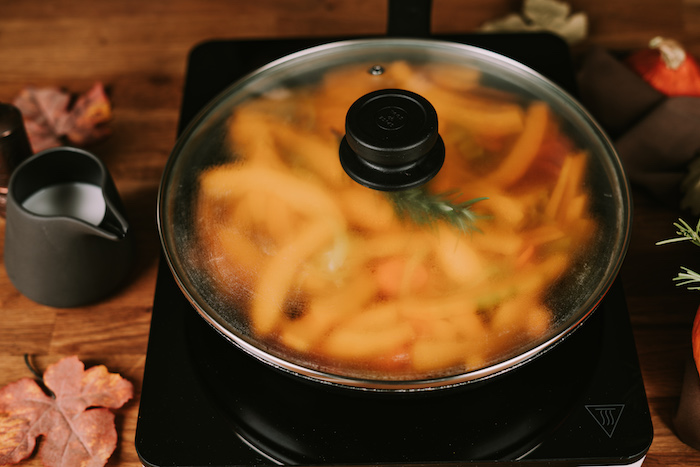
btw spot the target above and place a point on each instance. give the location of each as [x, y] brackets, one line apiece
[204, 402]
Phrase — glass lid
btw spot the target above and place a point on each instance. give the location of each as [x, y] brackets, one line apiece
[502, 246]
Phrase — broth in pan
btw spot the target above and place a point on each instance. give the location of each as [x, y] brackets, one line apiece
[445, 278]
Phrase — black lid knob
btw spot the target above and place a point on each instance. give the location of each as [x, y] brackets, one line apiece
[392, 141]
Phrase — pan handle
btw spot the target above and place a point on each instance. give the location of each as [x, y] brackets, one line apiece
[409, 18]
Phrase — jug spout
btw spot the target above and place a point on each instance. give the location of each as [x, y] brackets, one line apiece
[114, 225]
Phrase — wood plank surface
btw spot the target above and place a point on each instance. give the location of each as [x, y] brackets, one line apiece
[138, 49]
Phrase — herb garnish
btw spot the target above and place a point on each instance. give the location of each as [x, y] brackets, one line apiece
[423, 208]
[686, 233]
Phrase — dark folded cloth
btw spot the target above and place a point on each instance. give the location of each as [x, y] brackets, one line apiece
[614, 94]
[657, 151]
[656, 136]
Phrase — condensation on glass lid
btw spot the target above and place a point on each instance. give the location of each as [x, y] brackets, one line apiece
[440, 280]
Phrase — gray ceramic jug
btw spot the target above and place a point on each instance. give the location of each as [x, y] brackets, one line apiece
[67, 240]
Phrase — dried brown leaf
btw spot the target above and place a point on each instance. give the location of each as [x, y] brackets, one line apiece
[77, 425]
[51, 120]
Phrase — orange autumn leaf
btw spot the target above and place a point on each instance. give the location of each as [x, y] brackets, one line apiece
[77, 425]
[52, 117]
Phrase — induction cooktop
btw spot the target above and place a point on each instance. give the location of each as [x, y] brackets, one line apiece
[204, 402]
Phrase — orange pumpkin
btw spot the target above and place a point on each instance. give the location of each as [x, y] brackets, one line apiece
[667, 67]
[696, 340]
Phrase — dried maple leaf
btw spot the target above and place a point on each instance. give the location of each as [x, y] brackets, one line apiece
[85, 123]
[42, 109]
[76, 423]
[51, 121]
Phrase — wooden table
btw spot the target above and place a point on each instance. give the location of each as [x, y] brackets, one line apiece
[139, 49]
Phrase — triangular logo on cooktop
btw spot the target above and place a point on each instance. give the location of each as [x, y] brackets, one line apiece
[607, 416]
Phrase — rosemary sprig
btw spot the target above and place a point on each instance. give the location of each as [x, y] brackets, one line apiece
[424, 208]
[686, 234]
[688, 277]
